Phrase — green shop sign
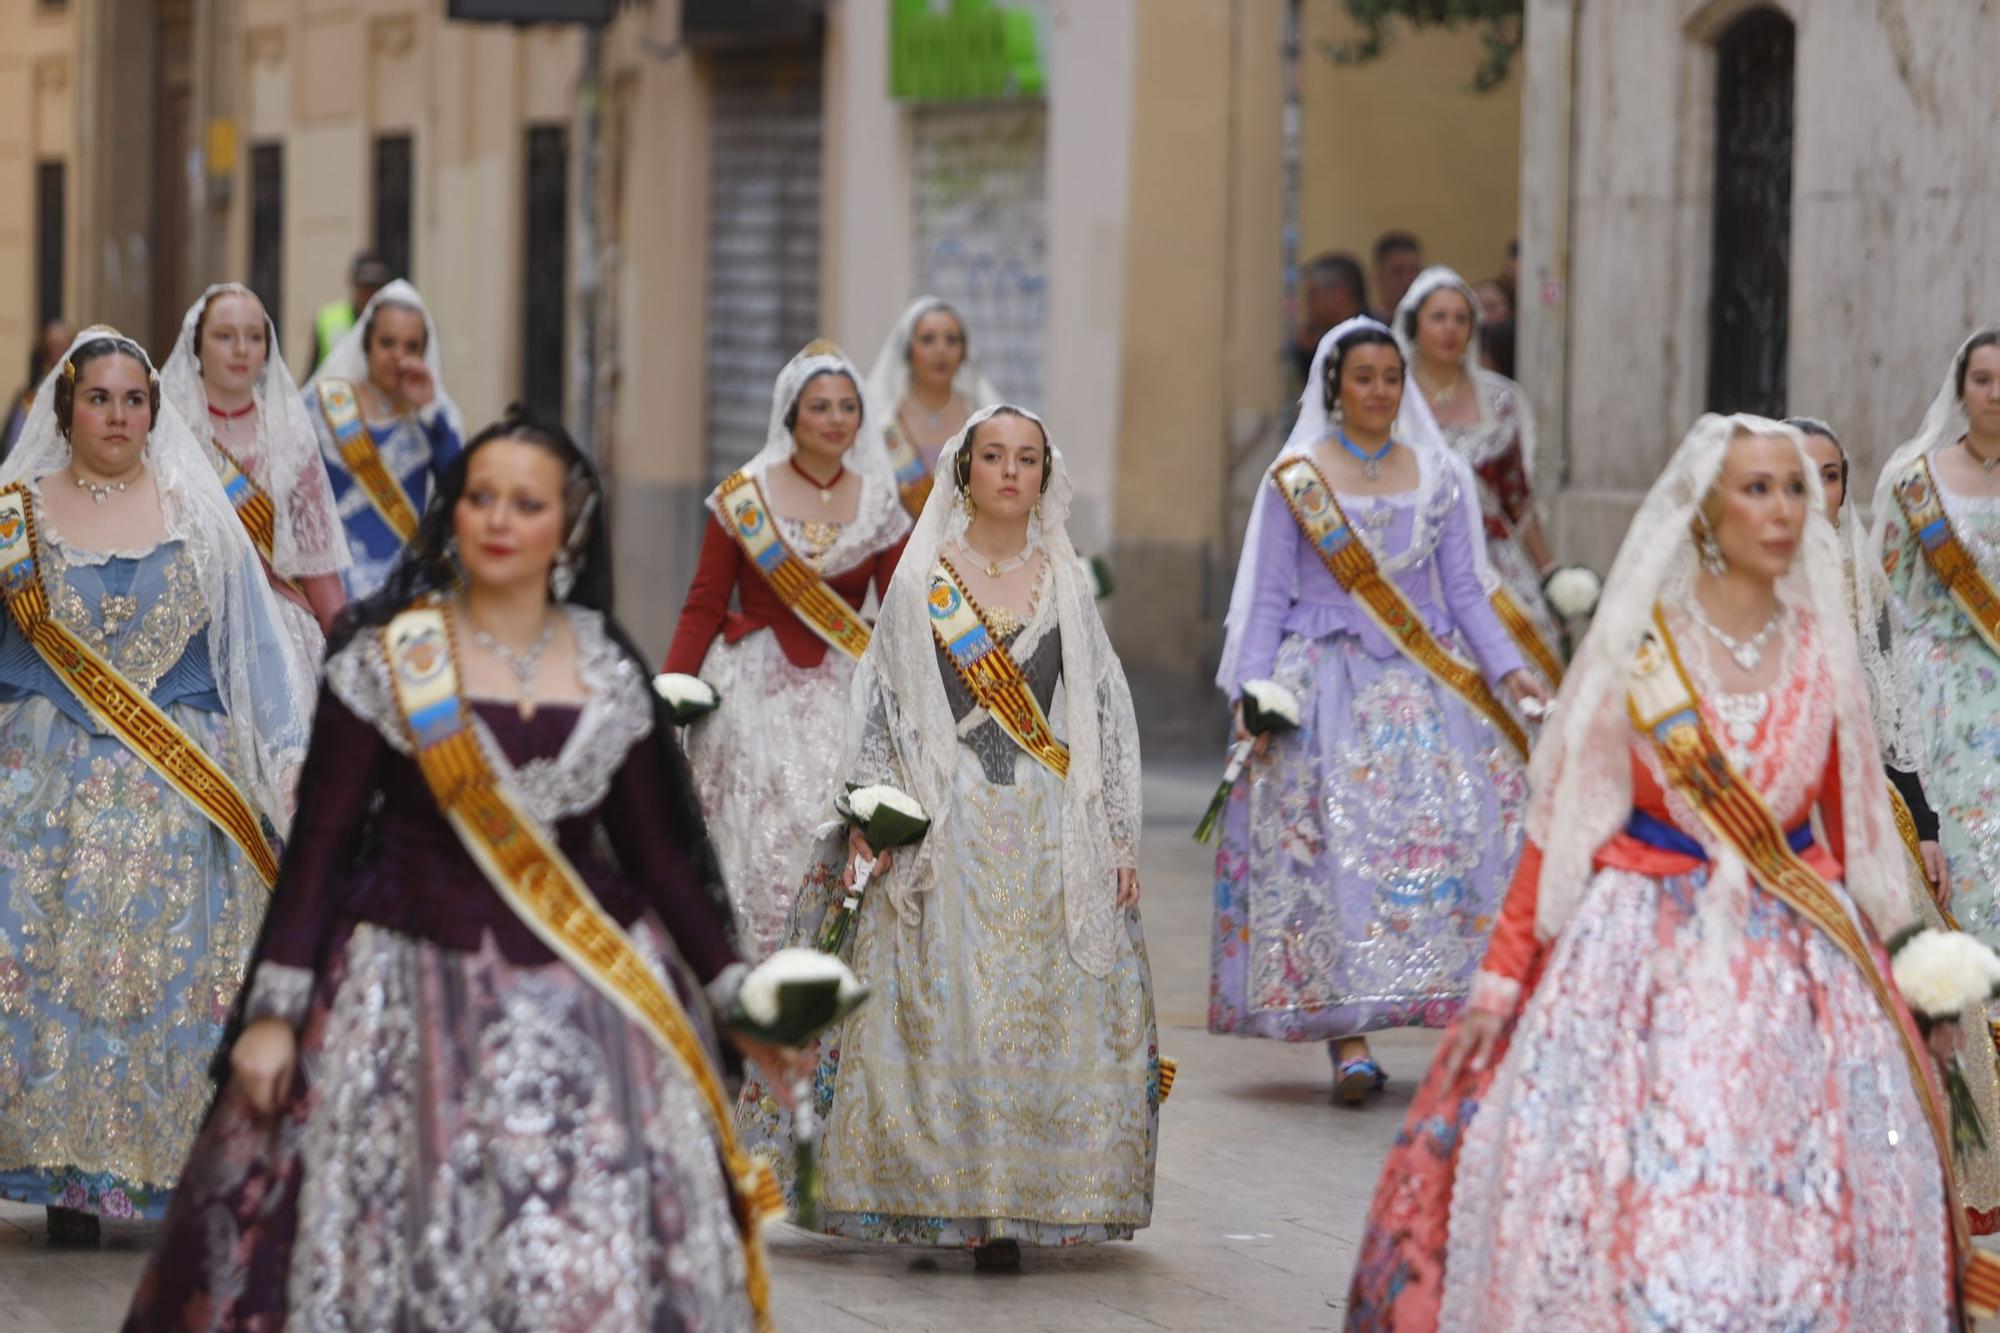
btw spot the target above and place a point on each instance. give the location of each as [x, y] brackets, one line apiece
[967, 50]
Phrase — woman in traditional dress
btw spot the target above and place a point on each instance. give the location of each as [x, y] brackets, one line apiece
[1002, 1088]
[231, 386]
[127, 908]
[386, 428]
[1483, 417]
[1941, 688]
[1364, 856]
[448, 1108]
[927, 383]
[1714, 1111]
[798, 539]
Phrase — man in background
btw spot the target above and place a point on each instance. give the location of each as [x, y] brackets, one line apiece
[368, 276]
[1332, 290]
[1399, 258]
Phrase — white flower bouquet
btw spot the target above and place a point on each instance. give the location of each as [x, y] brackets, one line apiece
[887, 818]
[1572, 591]
[1096, 575]
[1944, 974]
[688, 698]
[787, 1000]
[1269, 709]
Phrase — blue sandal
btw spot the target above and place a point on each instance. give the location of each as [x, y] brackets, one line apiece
[1353, 1080]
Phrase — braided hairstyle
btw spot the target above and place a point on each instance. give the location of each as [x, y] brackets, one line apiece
[961, 468]
[109, 343]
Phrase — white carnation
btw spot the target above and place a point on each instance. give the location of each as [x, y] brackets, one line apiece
[759, 993]
[684, 691]
[865, 801]
[1273, 700]
[1944, 973]
[1573, 591]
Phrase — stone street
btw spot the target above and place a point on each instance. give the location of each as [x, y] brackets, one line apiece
[1262, 1183]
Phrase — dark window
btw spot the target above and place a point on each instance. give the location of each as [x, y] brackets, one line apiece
[545, 271]
[1750, 300]
[49, 229]
[393, 163]
[267, 228]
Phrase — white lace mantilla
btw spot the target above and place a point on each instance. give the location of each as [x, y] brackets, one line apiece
[616, 715]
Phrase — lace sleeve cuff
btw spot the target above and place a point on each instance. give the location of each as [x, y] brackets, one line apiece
[1494, 993]
[279, 991]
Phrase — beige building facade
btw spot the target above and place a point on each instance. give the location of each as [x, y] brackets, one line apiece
[1120, 240]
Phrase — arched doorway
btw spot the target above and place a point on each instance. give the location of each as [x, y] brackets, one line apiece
[1749, 297]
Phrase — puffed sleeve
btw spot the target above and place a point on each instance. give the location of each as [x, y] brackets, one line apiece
[340, 778]
[1513, 953]
[1277, 558]
[707, 600]
[663, 847]
[1471, 611]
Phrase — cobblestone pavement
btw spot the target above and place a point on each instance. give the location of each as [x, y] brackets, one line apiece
[1262, 1184]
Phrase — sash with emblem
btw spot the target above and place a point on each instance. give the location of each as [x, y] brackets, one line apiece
[1917, 494]
[363, 461]
[537, 882]
[1662, 705]
[1353, 567]
[818, 607]
[254, 508]
[913, 479]
[989, 671]
[117, 704]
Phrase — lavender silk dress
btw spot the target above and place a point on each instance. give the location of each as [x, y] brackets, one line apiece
[1363, 860]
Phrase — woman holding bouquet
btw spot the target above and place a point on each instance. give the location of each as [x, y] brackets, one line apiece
[445, 1107]
[798, 538]
[927, 383]
[1002, 1088]
[1715, 1111]
[1364, 857]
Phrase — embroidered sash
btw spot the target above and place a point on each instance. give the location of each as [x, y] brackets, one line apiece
[1917, 494]
[538, 883]
[364, 461]
[818, 607]
[116, 702]
[989, 671]
[1353, 567]
[1662, 705]
[1526, 637]
[913, 479]
[259, 516]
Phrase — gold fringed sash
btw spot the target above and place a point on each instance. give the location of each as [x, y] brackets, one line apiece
[1661, 702]
[804, 593]
[119, 705]
[1529, 640]
[536, 880]
[364, 461]
[990, 672]
[1917, 494]
[258, 514]
[1353, 567]
[913, 479]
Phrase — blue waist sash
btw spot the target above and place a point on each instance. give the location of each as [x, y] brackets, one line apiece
[1659, 833]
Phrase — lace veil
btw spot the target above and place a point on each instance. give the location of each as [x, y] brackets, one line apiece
[349, 359]
[1944, 424]
[1416, 421]
[889, 378]
[1581, 772]
[900, 706]
[285, 464]
[879, 516]
[1436, 463]
[267, 688]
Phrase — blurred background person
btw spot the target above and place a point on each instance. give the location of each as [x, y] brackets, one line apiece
[50, 342]
[926, 384]
[368, 275]
[1399, 258]
[1332, 290]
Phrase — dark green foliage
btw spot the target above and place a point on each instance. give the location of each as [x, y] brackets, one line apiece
[1499, 23]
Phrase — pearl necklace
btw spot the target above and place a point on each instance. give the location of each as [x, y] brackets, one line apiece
[995, 568]
[522, 662]
[99, 492]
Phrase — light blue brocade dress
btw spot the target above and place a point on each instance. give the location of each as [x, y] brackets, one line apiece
[126, 915]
